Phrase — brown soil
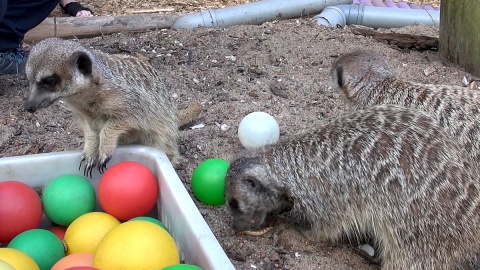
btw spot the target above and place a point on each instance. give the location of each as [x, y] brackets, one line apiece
[231, 72]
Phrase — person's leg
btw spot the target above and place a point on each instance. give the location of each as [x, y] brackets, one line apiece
[3, 8]
[19, 18]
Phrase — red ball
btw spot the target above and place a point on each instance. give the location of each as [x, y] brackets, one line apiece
[128, 189]
[20, 209]
[59, 231]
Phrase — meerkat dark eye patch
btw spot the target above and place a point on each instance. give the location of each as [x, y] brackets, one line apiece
[233, 203]
[50, 81]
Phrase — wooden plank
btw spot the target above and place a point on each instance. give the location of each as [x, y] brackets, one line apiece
[69, 27]
[460, 33]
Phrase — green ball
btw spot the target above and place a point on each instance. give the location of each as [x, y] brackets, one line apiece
[67, 197]
[182, 267]
[208, 181]
[153, 220]
[43, 246]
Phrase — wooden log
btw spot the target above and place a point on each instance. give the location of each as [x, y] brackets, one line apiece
[69, 27]
[402, 41]
[460, 33]
[152, 10]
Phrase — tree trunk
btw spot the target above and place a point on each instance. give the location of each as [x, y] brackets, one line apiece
[460, 33]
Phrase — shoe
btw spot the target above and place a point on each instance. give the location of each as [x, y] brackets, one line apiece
[13, 61]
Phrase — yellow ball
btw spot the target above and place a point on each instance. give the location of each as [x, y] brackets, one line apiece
[5, 266]
[136, 244]
[85, 232]
[17, 259]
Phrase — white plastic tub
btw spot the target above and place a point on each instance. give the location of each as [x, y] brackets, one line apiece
[176, 209]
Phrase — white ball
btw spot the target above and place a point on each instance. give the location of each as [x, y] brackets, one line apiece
[258, 129]
[368, 249]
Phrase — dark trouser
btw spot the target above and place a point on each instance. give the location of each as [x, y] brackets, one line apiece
[17, 17]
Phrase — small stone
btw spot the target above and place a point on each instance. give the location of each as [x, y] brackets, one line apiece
[429, 70]
[278, 88]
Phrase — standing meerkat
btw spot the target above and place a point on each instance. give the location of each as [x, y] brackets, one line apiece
[387, 171]
[364, 79]
[117, 98]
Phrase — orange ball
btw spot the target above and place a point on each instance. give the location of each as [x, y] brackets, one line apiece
[82, 268]
[128, 189]
[74, 260]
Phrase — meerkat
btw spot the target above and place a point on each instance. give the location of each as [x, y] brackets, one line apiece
[118, 99]
[386, 171]
[364, 79]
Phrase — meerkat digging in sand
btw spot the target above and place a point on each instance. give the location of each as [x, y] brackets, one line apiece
[387, 171]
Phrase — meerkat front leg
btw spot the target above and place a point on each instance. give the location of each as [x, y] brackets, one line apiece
[90, 148]
[109, 136]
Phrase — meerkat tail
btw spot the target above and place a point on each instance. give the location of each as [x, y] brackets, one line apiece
[190, 113]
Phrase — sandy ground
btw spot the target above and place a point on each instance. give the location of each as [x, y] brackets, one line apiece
[232, 72]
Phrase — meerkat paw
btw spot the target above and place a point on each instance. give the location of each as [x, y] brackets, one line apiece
[90, 162]
[102, 164]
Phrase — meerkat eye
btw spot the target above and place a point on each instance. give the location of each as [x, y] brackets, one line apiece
[233, 203]
[50, 81]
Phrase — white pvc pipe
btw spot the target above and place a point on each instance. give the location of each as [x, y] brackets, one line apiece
[376, 17]
[255, 13]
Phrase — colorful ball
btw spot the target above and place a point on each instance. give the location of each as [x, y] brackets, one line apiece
[208, 181]
[67, 197]
[20, 209]
[74, 260]
[41, 245]
[82, 268]
[128, 189]
[85, 232]
[258, 129]
[153, 220]
[136, 244]
[59, 231]
[5, 266]
[182, 267]
[17, 259]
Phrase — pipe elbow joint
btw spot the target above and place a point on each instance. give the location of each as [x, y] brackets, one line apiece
[331, 16]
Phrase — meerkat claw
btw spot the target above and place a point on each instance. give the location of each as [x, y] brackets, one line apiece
[81, 163]
[87, 171]
[89, 165]
[102, 165]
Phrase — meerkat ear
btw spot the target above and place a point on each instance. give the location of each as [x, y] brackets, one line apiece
[339, 71]
[254, 184]
[82, 62]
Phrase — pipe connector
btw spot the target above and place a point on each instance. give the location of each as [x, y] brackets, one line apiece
[331, 17]
[376, 17]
